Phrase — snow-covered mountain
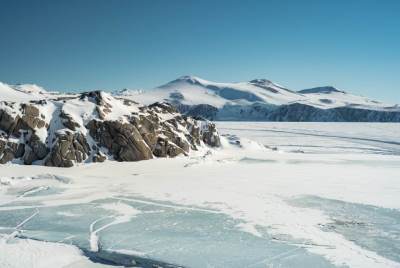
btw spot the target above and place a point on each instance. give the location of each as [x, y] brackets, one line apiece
[21, 92]
[38, 127]
[261, 99]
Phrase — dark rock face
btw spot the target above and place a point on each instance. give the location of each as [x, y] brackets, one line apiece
[301, 112]
[16, 126]
[10, 150]
[123, 140]
[68, 122]
[36, 150]
[146, 136]
[296, 112]
[162, 107]
[210, 135]
[7, 121]
[166, 148]
[203, 110]
[69, 147]
[31, 117]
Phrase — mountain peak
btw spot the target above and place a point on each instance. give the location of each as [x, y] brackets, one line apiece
[268, 85]
[189, 78]
[260, 81]
[323, 90]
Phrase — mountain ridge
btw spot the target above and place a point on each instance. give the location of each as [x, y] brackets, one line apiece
[264, 100]
[255, 100]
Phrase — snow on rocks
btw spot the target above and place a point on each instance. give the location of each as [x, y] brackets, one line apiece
[95, 126]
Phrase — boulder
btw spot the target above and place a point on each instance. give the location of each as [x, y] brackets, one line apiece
[165, 148]
[209, 134]
[99, 157]
[10, 150]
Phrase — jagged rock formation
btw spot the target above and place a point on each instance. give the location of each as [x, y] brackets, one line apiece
[93, 127]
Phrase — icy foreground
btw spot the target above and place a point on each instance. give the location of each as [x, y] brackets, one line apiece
[275, 194]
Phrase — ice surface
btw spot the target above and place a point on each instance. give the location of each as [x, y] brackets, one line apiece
[190, 237]
[276, 195]
[372, 227]
[359, 138]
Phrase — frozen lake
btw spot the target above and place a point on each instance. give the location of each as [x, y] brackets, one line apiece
[363, 138]
[276, 195]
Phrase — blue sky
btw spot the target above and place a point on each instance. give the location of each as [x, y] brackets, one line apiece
[91, 44]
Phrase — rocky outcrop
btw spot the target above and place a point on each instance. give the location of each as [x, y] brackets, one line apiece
[94, 127]
[145, 136]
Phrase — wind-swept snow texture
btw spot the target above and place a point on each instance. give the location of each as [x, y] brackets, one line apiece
[275, 195]
[263, 100]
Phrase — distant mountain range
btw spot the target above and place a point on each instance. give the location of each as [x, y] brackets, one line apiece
[263, 100]
[255, 100]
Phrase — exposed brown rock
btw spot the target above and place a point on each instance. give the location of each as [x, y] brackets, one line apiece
[68, 148]
[165, 148]
[10, 150]
[123, 140]
[7, 121]
[36, 150]
[31, 118]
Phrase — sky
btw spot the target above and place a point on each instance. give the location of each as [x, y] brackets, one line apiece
[353, 45]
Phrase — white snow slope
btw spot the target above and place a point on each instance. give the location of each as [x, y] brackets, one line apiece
[320, 195]
[191, 90]
[25, 92]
